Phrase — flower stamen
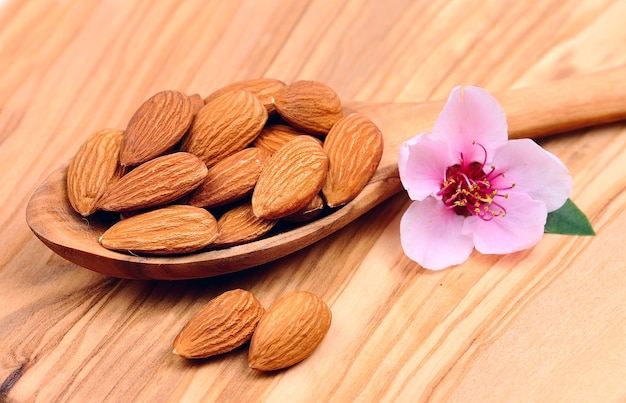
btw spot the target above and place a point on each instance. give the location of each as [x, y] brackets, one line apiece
[469, 189]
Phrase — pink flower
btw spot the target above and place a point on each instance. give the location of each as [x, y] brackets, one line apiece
[473, 188]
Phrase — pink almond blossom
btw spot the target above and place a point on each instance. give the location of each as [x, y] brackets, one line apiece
[474, 188]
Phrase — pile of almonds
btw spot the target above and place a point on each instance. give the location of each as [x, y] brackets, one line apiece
[189, 174]
[287, 333]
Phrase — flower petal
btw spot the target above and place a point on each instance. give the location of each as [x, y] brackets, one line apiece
[471, 115]
[521, 227]
[535, 171]
[431, 235]
[422, 164]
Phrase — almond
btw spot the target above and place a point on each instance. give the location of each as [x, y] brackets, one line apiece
[239, 225]
[310, 106]
[231, 179]
[263, 88]
[312, 210]
[226, 124]
[156, 182]
[291, 178]
[289, 331]
[94, 166]
[354, 147]
[158, 124]
[197, 103]
[222, 325]
[168, 230]
[274, 136]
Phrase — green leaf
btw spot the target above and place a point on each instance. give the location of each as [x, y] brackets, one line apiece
[568, 220]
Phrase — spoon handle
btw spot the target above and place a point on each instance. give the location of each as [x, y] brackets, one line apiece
[554, 107]
[567, 104]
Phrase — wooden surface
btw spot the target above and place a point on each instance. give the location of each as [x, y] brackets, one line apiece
[547, 324]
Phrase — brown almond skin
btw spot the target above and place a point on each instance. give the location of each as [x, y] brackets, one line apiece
[309, 212]
[289, 331]
[157, 182]
[226, 124]
[292, 177]
[239, 225]
[264, 89]
[273, 136]
[231, 179]
[197, 103]
[94, 166]
[156, 127]
[310, 106]
[171, 230]
[354, 147]
[222, 325]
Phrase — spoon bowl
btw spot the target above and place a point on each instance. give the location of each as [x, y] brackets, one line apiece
[556, 107]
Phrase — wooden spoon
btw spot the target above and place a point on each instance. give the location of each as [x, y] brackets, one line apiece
[531, 112]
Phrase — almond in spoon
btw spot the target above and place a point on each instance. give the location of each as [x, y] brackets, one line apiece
[310, 106]
[264, 89]
[158, 124]
[154, 183]
[292, 177]
[274, 136]
[230, 179]
[239, 225]
[93, 168]
[227, 123]
[354, 147]
[170, 230]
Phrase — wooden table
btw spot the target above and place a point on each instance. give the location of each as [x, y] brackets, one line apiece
[546, 324]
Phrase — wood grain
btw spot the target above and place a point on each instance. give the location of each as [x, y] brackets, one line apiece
[546, 324]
